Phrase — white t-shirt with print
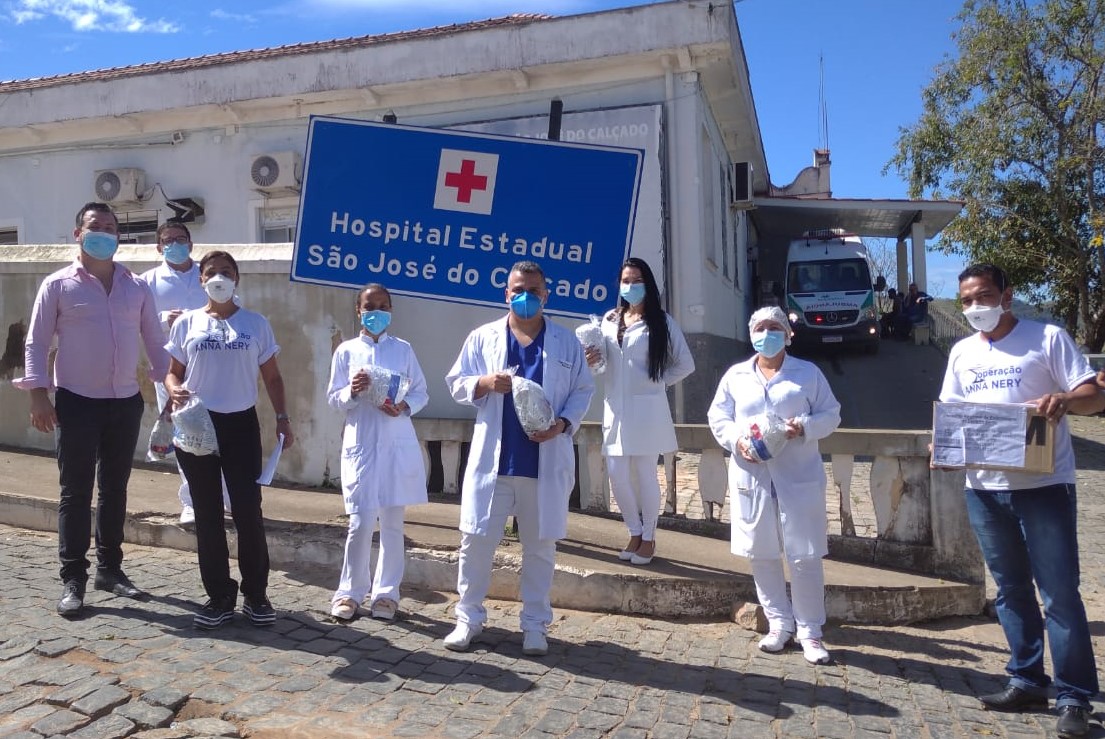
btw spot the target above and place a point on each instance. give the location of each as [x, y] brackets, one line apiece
[221, 357]
[1034, 359]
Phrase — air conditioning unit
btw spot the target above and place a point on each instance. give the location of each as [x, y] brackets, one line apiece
[742, 185]
[123, 185]
[277, 171]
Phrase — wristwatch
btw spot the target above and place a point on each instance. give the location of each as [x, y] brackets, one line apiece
[567, 425]
[283, 417]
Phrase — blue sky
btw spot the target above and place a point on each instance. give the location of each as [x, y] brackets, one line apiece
[877, 57]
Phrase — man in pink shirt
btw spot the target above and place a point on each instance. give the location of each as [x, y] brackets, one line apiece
[97, 309]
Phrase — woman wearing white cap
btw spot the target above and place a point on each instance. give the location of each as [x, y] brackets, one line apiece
[770, 411]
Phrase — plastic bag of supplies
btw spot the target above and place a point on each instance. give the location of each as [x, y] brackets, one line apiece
[766, 436]
[161, 437]
[193, 430]
[590, 336]
[385, 386]
[534, 411]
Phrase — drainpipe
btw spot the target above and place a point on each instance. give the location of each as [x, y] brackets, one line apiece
[673, 200]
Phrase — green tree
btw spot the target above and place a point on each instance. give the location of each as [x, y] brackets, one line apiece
[1014, 128]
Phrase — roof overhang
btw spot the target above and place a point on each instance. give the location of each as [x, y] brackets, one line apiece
[893, 219]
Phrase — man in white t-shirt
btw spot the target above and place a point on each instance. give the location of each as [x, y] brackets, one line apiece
[1026, 522]
[175, 284]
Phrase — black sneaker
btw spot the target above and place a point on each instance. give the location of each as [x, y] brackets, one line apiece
[259, 610]
[216, 612]
[1074, 721]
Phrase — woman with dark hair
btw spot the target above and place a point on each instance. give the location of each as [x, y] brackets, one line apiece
[381, 462]
[645, 353]
[216, 353]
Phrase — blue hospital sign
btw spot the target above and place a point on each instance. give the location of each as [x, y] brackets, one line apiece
[444, 214]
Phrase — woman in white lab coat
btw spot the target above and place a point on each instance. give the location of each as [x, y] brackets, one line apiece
[382, 470]
[645, 353]
[778, 499]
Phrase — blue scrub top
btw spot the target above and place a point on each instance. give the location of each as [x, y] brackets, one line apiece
[518, 455]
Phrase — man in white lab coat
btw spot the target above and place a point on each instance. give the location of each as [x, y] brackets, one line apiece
[510, 472]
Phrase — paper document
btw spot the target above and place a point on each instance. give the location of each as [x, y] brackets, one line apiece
[270, 464]
[967, 434]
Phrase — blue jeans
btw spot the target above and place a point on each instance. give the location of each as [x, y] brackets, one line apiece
[1028, 535]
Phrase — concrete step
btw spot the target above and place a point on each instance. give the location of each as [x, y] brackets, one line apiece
[691, 576]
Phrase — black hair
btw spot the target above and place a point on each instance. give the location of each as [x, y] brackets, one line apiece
[96, 208]
[528, 267]
[372, 286]
[659, 349]
[172, 223]
[992, 272]
[224, 255]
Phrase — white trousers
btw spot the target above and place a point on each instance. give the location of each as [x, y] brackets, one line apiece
[636, 489]
[357, 580]
[807, 590]
[517, 496]
[184, 493]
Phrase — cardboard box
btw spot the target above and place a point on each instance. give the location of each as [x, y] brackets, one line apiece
[993, 436]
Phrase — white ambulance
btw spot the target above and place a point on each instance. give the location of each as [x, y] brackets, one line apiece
[830, 298]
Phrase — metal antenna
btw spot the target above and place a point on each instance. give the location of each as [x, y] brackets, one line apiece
[823, 106]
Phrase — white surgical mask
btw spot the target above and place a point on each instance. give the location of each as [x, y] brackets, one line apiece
[219, 288]
[983, 318]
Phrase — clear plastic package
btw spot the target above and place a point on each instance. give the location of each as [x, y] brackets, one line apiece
[161, 440]
[534, 411]
[386, 385]
[193, 430]
[590, 336]
[766, 436]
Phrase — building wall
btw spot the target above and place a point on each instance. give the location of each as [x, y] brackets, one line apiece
[696, 244]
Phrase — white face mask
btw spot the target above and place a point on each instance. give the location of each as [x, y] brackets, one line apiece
[984, 318]
[219, 288]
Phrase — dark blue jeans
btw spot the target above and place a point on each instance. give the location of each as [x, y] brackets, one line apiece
[96, 442]
[1026, 536]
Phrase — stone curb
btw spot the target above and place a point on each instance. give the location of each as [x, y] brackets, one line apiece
[320, 545]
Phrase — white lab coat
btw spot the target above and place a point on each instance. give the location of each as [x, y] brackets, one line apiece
[568, 386]
[800, 391]
[636, 417]
[381, 460]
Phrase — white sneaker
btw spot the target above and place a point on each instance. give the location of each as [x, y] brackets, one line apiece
[344, 609]
[187, 515]
[461, 637]
[814, 652]
[776, 640]
[534, 644]
[384, 609]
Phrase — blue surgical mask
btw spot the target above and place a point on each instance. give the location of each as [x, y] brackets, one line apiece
[375, 321]
[525, 305]
[178, 252]
[99, 245]
[632, 293]
[769, 343]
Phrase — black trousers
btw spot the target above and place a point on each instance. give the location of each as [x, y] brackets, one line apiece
[96, 442]
[239, 463]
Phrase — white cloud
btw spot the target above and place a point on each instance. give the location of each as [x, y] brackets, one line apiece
[90, 15]
[223, 15]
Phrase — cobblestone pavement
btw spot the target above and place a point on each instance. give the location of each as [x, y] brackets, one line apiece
[141, 669]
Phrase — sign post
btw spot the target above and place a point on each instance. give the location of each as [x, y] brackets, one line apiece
[444, 214]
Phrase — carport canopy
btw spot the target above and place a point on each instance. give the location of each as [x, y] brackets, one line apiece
[782, 219]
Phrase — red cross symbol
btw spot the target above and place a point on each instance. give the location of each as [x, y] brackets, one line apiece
[466, 180]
